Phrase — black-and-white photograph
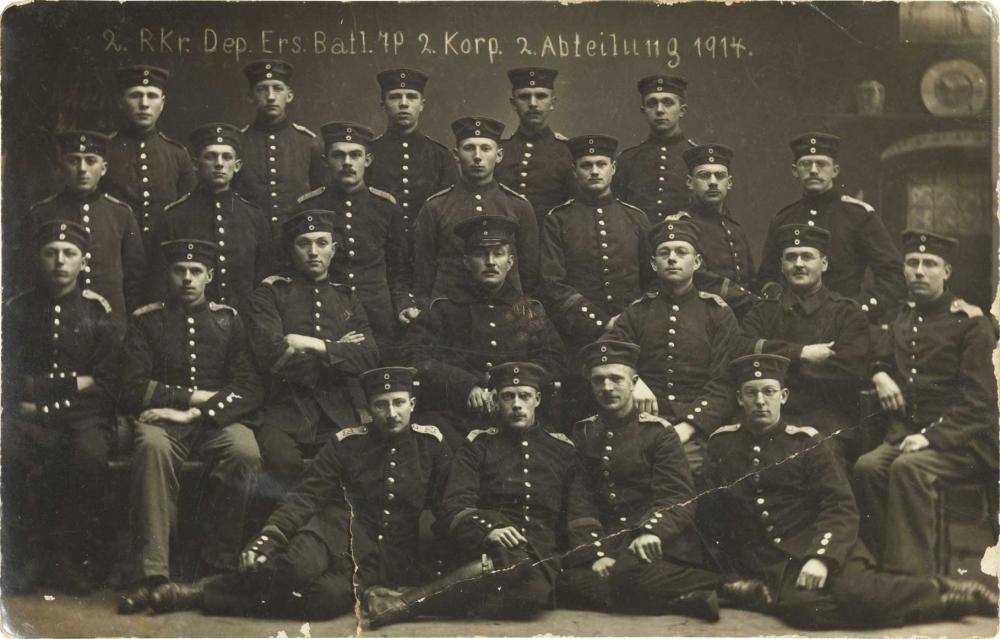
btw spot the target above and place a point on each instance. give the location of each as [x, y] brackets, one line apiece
[470, 318]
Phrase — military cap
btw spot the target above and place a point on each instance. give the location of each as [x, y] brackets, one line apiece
[919, 241]
[215, 133]
[760, 366]
[583, 145]
[476, 127]
[663, 84]
[82, 141]
[346, 132]
[260, 70]
[683, 230]
[790, 235]
[486, 230]
[518, 374]
[532, 77]
[188, 250]
[815, 144]
[311, 221]
[388, 379]
[58, 230]
[708, 154]
[142, 75]
[608, 351]
[393, 79]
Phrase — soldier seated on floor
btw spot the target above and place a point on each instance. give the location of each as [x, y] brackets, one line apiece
[374, 480]
[790, 521]
[504, 507]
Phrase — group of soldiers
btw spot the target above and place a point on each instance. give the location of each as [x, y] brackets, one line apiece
[560, 353]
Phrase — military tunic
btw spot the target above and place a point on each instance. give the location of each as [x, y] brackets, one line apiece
[438, 253]
[117, 265]
[240, 230]
[147, 170]
[539, 166]
[859, 241]
[652, 175]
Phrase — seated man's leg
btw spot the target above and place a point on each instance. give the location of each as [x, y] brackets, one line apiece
[805, 609]
[235, 465]
[910, 530]
[663, 586]
[870, 481]
[694, 450]
[282, 462]
[872, 599]
[582, 588]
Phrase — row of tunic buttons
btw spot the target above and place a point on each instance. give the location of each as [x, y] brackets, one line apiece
[85, 218]
[605, 258]
[351, 241]
[272, 148]
[661, 178]
[912, 378]
[143, 171]
[492, 324]
[221, 241]
[406, 186]
[317, 315]
[606, 463]
[526, 506]
[390, 484]
[813, 213]
[670, 345]
[56, 323]
[732, 247]
[192, 355]
[525, 161]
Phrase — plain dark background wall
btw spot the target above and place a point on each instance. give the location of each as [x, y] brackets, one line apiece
[797, 65]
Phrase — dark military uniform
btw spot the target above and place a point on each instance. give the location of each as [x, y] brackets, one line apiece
[824, 395]
[309, 397]
[171, 351]
[638, 483]
[939, 353]
[55, 457]
[456, 342]
[539, 166]
[782, 501]
[373, 257]
[438, 267]
[237, 226]
[653, 177]
[117, 265]
[147, 170]
[859, 241]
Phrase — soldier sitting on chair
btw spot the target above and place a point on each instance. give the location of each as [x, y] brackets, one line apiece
[789, 519]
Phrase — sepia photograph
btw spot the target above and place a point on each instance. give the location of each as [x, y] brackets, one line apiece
[502, 319]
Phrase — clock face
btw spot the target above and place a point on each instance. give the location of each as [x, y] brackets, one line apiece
[954, 88]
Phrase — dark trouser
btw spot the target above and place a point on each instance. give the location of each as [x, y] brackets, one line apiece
[54, 477]
[897, 494]
[633, 586]
[160, 451]
[302, 581]
[283, 457]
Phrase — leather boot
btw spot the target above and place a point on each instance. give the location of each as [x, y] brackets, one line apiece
[173, 596]
[961, 597]
[701, 604]
[137, 599]
[746, 594]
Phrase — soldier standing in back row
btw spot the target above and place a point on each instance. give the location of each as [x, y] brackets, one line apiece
[537, 163]
[146, 169]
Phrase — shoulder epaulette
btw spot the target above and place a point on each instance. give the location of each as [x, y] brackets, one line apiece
[18, 296]
[633, 207]
[97, 297]
[959, 305]
[166, 138]
[560, 206]
[504, 187]
[148, 308]
[435, 301]
[562, 438]
[585, 421]
[45, 201]
[650, 418]
[805, 430]
[712, 296]
[113, 134]
[350, 432]
[378, 137]
[648, 295]
[439, 193]
[631, 148]
[176, 202]
[340, 285]
[382, 194]
[245, 129]
[853, 200]
[215, 306]
[299, 127]
[114, 200]
[274, 279]
[559, 136]
[440, 144]
[731, 428]
[244, 200]
[428, 430]
[310, 195]
[692, 142]
[473, 434]
[679, 215]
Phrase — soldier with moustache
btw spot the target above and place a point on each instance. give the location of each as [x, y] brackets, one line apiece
[146, 169]
[311, 335]
[650, 174]
[438, 263]
[281, 159]
[824, 336]
[61, 354]
[376, 480]
[859, 241]
[790, 522]
[457, 342]
[115, 259]
[504, 508]
[537, 163]
[374, 260]
[214, 213]
[189, 384]
[406, 163]
[933, 374]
